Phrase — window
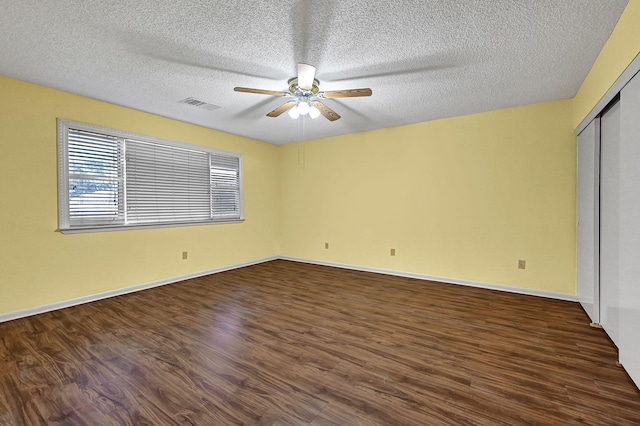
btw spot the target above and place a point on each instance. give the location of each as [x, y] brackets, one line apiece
[109, 179]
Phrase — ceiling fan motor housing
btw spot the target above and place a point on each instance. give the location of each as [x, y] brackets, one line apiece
[297, 91]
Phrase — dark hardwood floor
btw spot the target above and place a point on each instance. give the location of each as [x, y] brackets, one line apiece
[284, 343]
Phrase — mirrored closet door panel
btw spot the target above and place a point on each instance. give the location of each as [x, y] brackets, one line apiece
[610, 221]
[629, 287]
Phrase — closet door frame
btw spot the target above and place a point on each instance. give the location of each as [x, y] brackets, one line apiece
[614, 90]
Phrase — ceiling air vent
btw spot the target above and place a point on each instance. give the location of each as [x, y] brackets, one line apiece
[200, 104]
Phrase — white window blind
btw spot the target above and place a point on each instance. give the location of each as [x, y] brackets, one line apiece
[166, 184]
[95, 178]
[225, 186]
[111, 179]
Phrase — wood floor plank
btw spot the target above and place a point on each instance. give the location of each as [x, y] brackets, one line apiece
[286, 343]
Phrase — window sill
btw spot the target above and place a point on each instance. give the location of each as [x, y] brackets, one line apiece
[90, 229]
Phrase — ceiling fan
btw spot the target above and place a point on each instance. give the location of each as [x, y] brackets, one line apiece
[305, 96]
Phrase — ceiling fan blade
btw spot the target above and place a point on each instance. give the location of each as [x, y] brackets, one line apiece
[259, 91]
[282, 108]
[306, 74]
[330, 114]
[352, 93]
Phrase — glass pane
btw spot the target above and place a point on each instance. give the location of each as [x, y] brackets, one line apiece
[225, 192]
[93, 199]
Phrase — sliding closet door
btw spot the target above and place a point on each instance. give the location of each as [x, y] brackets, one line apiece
[588, 225]
[610, 222]
[629, 291]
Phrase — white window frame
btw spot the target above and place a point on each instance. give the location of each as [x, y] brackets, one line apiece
[64, 225]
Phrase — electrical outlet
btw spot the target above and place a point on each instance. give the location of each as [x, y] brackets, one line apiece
[522, 264]
[326, 246]
[184, 255]
[393, 252]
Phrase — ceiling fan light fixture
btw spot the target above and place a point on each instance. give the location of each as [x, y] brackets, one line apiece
[294, 112]
[303, 107]
[314, 112]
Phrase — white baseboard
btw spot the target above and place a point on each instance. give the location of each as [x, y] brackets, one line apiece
[94, 297]
[529, 292]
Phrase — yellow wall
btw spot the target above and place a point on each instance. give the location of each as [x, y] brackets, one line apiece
[40, 266]
[616, 55]
[468, 196]
[460, 198]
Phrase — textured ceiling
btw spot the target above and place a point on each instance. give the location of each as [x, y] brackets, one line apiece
[424, 60]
